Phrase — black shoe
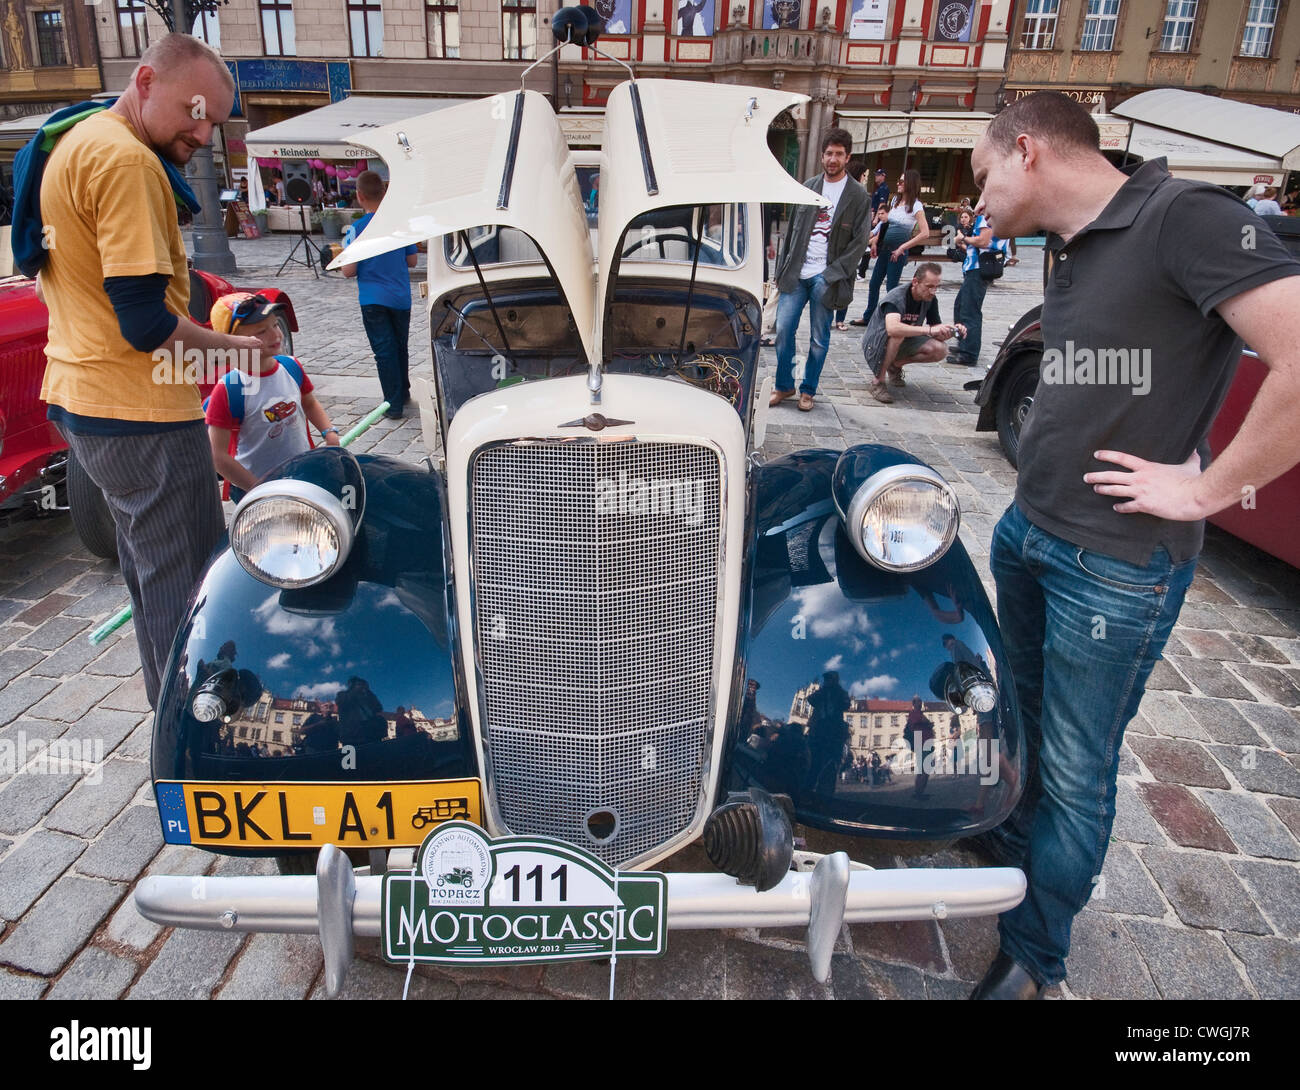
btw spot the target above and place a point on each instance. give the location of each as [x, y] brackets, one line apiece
[857, 321]
[961, 361]
[396, 414]
[1007, 980]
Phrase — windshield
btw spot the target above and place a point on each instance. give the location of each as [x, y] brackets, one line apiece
[668, 234]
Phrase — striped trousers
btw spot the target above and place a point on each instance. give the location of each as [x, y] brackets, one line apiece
[162, 491]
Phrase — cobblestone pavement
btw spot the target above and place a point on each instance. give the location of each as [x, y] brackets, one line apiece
[1200, 892]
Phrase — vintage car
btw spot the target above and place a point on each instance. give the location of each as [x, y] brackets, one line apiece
[1265, 519]
[36, 467]
[597, 613]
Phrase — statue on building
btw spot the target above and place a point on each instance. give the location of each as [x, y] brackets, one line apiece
[14, 33]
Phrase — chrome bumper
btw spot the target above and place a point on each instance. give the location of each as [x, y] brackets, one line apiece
[828, 891]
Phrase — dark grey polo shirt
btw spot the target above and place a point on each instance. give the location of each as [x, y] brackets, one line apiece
[1136, 358]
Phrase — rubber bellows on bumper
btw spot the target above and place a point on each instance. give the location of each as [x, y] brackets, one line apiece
[750, 837]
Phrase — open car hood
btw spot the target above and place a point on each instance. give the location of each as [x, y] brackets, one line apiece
[503, 160]
[679, 142]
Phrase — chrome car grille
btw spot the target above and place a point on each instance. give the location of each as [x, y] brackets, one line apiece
[595, 569]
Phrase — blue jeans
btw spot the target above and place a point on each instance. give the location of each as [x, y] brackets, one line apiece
[969, 311]
[389, 330]
[789, 309]
[1082, 632]
[886, 270]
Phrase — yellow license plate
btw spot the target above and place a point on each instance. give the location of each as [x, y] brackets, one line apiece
[306, 815]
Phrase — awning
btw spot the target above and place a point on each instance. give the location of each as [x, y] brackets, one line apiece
[321, 133]
[1203, 160]
[1260, 130]
[883, 130]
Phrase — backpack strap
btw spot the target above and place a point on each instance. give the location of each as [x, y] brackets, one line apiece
[293, 367]
[234, 383]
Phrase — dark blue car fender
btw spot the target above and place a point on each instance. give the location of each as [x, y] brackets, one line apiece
[377, 636]
[834, 654]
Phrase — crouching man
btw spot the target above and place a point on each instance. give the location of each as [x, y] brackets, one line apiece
[906, 328]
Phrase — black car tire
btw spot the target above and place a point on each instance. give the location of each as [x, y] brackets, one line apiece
[1015, 399]
[90, 515]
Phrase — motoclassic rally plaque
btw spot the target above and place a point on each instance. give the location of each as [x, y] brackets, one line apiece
[472, 898]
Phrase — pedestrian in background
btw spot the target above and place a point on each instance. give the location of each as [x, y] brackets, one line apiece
[905, 229]
[879, 200]
[384, 291]
[815, 270]
[856, 171]
[968, 310]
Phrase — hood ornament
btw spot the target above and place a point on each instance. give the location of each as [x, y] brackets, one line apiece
[596, 422]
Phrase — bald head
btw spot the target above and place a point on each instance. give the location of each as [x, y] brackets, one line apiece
[175, 55]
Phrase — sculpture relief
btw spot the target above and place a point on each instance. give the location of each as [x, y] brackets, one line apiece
[14, 34]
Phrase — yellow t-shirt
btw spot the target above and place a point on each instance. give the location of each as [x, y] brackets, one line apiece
[108, 211]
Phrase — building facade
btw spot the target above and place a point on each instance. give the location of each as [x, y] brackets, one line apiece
[48, 56]
[1114, 49]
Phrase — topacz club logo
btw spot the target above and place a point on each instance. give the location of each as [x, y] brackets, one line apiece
[1097, 367]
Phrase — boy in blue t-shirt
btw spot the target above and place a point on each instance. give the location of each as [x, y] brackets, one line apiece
[384, 291]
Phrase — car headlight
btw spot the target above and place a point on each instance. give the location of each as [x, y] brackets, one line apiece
[902, 517]
[291, 533]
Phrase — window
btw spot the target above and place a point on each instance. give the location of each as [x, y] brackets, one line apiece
[366, 25]
[1099, 25]
[50, 51]
[877, 741]
[1180, 19]
[278, 38]
[279, 717]
[1040, 24]
[1257, 41]
[277, 736]
[442, 19]
[519, 29]
[207, 29]
[132, 32]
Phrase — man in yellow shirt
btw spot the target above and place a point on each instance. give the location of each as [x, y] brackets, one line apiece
[117, 285]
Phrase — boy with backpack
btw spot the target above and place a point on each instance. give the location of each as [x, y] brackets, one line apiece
[257, 418]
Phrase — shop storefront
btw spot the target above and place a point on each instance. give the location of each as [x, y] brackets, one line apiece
[938, 145]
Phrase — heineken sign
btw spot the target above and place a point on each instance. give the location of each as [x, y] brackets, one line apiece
[475, 899]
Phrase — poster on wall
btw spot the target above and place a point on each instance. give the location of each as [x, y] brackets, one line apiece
[868, 20]
[617, 15]
[694, 18]
[780, 14]
[955, 19]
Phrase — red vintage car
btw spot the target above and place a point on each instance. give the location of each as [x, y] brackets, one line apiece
[1265, 519]
[32, 453]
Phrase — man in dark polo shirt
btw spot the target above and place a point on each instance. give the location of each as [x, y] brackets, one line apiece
[1151, 285]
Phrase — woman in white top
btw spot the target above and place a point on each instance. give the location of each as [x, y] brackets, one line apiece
[904, 229]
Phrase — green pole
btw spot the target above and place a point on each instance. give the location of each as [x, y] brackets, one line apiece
[102, 632]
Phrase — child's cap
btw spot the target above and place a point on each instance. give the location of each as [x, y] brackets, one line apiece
[239, 308]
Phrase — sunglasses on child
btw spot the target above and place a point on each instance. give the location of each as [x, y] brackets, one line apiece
[246, 308]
